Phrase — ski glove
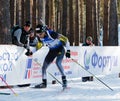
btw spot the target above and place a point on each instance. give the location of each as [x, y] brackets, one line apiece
[28, 53]
[68, 54]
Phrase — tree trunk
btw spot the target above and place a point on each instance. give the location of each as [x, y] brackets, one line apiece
[5, 36]
[17, 12]
[47, 13]
[89, 23]
[41, 10]
[27, 10]
[12, 12]
[105, 25]
[22, 13]
[94, 34]
[113, 24]
[34, 14]
[77, 36]
[98, 21]
[71, 32]
[81, 19]
[64, 16]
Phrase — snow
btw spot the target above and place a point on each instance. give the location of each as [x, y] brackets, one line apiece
[79, 91]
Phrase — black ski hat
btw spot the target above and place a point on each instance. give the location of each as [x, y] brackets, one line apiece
[40, 28]
[27, 23]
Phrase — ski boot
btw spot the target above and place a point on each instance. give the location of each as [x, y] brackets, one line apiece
[64, 82]
[42, 85]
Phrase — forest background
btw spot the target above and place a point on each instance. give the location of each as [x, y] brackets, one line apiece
[75, 19]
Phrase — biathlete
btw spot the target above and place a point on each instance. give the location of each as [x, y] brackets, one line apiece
[56, 43]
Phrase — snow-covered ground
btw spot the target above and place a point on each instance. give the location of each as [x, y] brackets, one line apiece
[79, 91]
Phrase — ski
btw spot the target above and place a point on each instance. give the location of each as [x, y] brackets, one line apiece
[1, 93]
[65, 88]
[36, 88]
[58, 92]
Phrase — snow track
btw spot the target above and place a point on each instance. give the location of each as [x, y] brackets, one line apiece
[79, 91]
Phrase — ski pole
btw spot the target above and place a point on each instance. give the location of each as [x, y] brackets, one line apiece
[9, 86]
[92, 74]
[43, 23]
[55, 78]
[49, 73]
